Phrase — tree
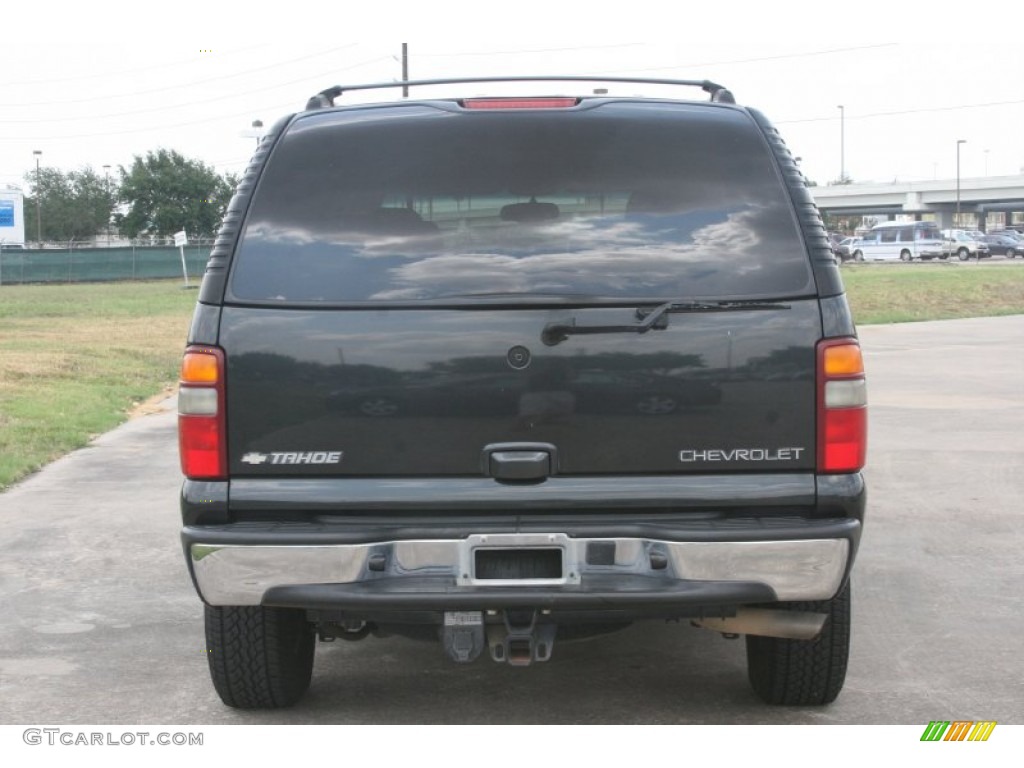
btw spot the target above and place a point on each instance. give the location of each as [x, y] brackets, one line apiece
[75, 205]
[838, 222]
[166, 192]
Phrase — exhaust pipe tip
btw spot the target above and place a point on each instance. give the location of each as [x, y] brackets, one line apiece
[768, 622]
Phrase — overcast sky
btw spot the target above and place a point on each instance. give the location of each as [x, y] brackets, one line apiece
[97, 83]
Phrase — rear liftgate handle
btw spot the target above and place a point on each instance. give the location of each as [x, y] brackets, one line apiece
[519, 461]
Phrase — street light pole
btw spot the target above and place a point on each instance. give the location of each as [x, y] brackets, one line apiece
[842, 143]
[106, 176]
[405, 70]
[39, 209]
[956, 220]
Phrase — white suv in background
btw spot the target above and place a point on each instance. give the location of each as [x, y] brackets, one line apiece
[964, 245]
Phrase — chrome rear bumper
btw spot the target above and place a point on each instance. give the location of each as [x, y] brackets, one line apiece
[243, 574]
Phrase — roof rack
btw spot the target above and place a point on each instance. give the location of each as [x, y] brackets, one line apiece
[327, 96]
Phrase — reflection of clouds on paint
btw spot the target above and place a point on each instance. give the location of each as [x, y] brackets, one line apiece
[389, 340]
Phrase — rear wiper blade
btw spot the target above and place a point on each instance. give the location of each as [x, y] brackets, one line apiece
[652, 318]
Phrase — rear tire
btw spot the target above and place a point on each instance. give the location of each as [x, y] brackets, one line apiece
[858, 256]
[905, 256]
[803, 672]
[963, 254]
[260, 658]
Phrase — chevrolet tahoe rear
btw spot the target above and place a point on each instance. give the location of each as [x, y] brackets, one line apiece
[503, 373]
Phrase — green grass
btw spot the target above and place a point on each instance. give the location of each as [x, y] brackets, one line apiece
[76, 359]
[901, 293]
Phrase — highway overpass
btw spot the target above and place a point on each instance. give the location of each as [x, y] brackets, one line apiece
[979, 196]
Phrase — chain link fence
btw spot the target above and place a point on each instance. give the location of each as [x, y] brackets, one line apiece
[71, 265]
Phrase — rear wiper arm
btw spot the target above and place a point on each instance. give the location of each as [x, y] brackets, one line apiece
[656, 318]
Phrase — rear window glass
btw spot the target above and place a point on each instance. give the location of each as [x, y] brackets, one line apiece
[420, 203]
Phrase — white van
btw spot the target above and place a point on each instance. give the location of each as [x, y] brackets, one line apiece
[905, 241]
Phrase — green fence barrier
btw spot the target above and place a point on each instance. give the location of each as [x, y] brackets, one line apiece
[61, 265]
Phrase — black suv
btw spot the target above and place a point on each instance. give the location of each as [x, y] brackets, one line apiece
[503, 372]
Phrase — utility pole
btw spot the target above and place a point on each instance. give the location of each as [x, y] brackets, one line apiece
[842, 144]
[405, 70]
[106, 176]
[956, 221]
[39, 210]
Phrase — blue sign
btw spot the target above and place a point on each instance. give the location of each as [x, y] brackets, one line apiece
[6, 213]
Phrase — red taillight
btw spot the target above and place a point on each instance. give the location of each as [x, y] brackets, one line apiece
[202, 433]
[842, 407]
[542, 103]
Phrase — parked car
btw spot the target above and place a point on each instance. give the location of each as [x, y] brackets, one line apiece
[845, 248]
[963, 245]
[501, 373]
[1017, 238]
[1000, 244]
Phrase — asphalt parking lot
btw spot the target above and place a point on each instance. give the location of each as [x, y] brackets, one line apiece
[101, 625]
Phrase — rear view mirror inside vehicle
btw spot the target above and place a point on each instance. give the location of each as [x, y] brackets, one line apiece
[525, 213]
